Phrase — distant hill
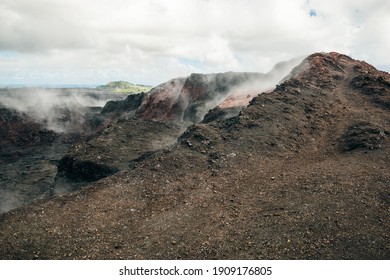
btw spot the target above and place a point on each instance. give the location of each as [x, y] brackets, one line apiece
[125, 87]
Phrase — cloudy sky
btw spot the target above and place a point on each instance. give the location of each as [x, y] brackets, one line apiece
[151, 41]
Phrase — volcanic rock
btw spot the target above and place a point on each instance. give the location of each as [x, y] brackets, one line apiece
[130, 104]
[364, 136]
[20, 130]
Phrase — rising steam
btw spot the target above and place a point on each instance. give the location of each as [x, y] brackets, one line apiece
[60, 110]
[242, 94]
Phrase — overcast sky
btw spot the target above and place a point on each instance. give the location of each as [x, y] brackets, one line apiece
[151, 41]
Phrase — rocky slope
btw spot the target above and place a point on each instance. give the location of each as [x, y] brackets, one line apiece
[300, 173]
[142, 124]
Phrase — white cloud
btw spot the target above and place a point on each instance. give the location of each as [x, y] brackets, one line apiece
[150, 41]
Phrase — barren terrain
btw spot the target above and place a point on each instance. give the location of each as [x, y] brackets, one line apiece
[302, 172]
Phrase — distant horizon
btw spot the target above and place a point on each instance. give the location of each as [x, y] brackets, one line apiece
[50, 85]
[55, 85]
[381, 67]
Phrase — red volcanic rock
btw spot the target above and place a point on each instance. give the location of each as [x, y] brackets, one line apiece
[189, 99]
[159, 102]
[239, 98]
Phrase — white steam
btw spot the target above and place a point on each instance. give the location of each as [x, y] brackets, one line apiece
[59, 110]
[241, 95]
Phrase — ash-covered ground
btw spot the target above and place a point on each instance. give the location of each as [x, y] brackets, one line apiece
[223, 166]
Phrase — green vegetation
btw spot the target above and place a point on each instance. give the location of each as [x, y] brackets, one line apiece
[124, 87]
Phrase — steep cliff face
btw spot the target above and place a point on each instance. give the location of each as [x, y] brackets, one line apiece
[300, 173]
